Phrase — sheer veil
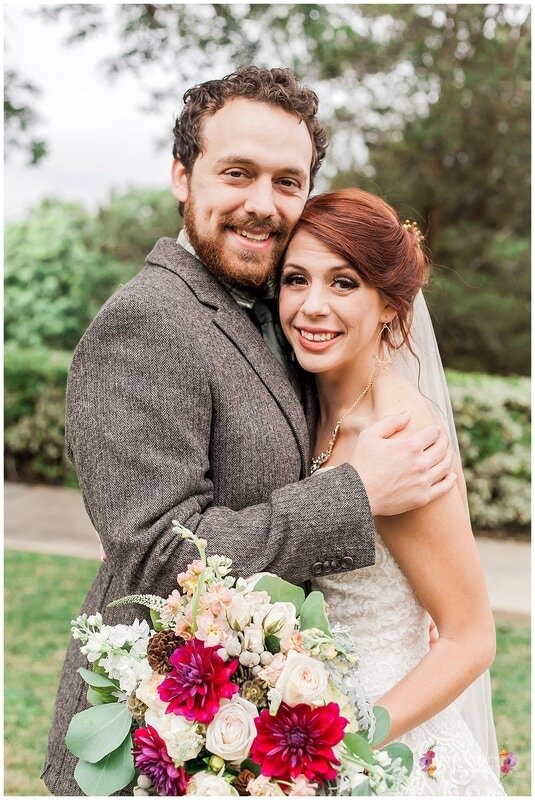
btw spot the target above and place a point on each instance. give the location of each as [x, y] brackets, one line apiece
[427, 373]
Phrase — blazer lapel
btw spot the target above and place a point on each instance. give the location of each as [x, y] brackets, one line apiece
[235, 323]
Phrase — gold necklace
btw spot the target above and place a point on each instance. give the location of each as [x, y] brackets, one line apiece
[326, 454]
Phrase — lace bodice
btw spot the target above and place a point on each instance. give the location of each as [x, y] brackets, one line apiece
[391, 630]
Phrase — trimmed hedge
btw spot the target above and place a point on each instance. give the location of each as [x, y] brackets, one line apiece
[492, 416]
[493, 421]
[34, 416]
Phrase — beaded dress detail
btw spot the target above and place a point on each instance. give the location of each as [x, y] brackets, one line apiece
[391, 630]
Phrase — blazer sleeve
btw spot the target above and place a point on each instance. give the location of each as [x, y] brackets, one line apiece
[138, 434]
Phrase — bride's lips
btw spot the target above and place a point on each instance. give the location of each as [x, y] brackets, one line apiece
[317, 346]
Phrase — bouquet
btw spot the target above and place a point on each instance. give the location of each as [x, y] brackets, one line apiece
[240, 687]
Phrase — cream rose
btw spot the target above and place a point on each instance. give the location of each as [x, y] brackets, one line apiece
[147, 692]
[232, 731]
[206, 784]
[180, 736]
[280, 620]
[303, 680]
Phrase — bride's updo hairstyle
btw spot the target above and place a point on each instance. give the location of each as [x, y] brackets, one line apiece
[367, 233]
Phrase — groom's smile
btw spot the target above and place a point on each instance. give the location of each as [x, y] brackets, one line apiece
[246, 190]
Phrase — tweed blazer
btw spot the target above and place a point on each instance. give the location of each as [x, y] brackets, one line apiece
[176, 409]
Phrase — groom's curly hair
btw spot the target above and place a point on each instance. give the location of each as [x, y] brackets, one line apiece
[277, 86]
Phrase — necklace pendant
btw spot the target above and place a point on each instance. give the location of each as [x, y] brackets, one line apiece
[326, 454]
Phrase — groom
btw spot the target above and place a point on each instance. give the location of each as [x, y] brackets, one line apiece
[177, 409]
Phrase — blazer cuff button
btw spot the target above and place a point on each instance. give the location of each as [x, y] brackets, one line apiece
[347, 562]
[317, 568]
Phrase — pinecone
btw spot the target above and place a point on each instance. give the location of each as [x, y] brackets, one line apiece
[242, 781]
[160, 648]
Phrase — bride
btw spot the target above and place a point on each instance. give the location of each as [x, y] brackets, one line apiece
[349, 281]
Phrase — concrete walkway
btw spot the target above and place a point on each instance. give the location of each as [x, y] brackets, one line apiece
[47, 519]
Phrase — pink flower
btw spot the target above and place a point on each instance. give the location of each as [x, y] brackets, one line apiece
[198, 682]
[174, 602]
[188, 580]
[217, 598]
[508, 761]
[211, 630]
[299, 741]
[152, 759]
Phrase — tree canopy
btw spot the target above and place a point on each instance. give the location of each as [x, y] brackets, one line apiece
[427, 105]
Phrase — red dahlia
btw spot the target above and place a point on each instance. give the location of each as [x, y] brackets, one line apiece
[198, 682]
[299, 741]
[152, 759]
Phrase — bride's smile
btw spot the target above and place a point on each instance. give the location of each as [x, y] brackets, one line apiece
[330, 315]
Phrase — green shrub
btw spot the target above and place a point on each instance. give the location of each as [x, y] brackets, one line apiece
[492, 416]
[34, 415]
[54, 282]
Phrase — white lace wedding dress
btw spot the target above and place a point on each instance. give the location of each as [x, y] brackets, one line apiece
[391, 630]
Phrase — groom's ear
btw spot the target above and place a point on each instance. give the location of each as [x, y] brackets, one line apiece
[179, 181]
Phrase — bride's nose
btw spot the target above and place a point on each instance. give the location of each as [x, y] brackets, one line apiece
[315, 303]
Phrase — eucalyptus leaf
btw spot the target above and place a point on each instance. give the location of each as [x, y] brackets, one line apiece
[358, 745]
[281, 591]
[96, 680]
[273, 644]
[110, 774]
[98, 731]
[382, 724]
[399, 750]
[313, 614]
[362, 790]
[95, 698]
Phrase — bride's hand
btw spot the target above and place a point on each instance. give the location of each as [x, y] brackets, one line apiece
[402, 473]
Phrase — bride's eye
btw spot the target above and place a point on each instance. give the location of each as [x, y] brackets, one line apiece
[293, 279]
[346, 284]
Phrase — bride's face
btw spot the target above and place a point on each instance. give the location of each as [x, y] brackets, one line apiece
[330, 316]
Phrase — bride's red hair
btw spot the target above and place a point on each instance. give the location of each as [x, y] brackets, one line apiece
[365, 231]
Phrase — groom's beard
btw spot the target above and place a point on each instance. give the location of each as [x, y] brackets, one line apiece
[242, 270]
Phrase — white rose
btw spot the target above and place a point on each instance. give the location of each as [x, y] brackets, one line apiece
[232, 731]
[147, 692]
[239, 612]
[280, 620]
[180, 736]
[206, 784]
[303, 680]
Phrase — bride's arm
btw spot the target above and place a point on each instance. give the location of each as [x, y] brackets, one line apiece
[435, 548]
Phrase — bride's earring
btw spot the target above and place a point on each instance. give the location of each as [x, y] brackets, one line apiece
[383, 362]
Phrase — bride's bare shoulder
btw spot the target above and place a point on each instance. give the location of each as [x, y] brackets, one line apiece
[395, 394]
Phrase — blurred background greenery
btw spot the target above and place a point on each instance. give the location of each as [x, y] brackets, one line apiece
[427, 105]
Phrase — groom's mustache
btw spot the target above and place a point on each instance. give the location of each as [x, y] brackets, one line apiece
[258, 226]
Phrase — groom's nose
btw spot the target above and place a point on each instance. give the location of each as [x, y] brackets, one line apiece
[260, 200]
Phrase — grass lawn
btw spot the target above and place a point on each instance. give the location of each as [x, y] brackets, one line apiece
[43, 593]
